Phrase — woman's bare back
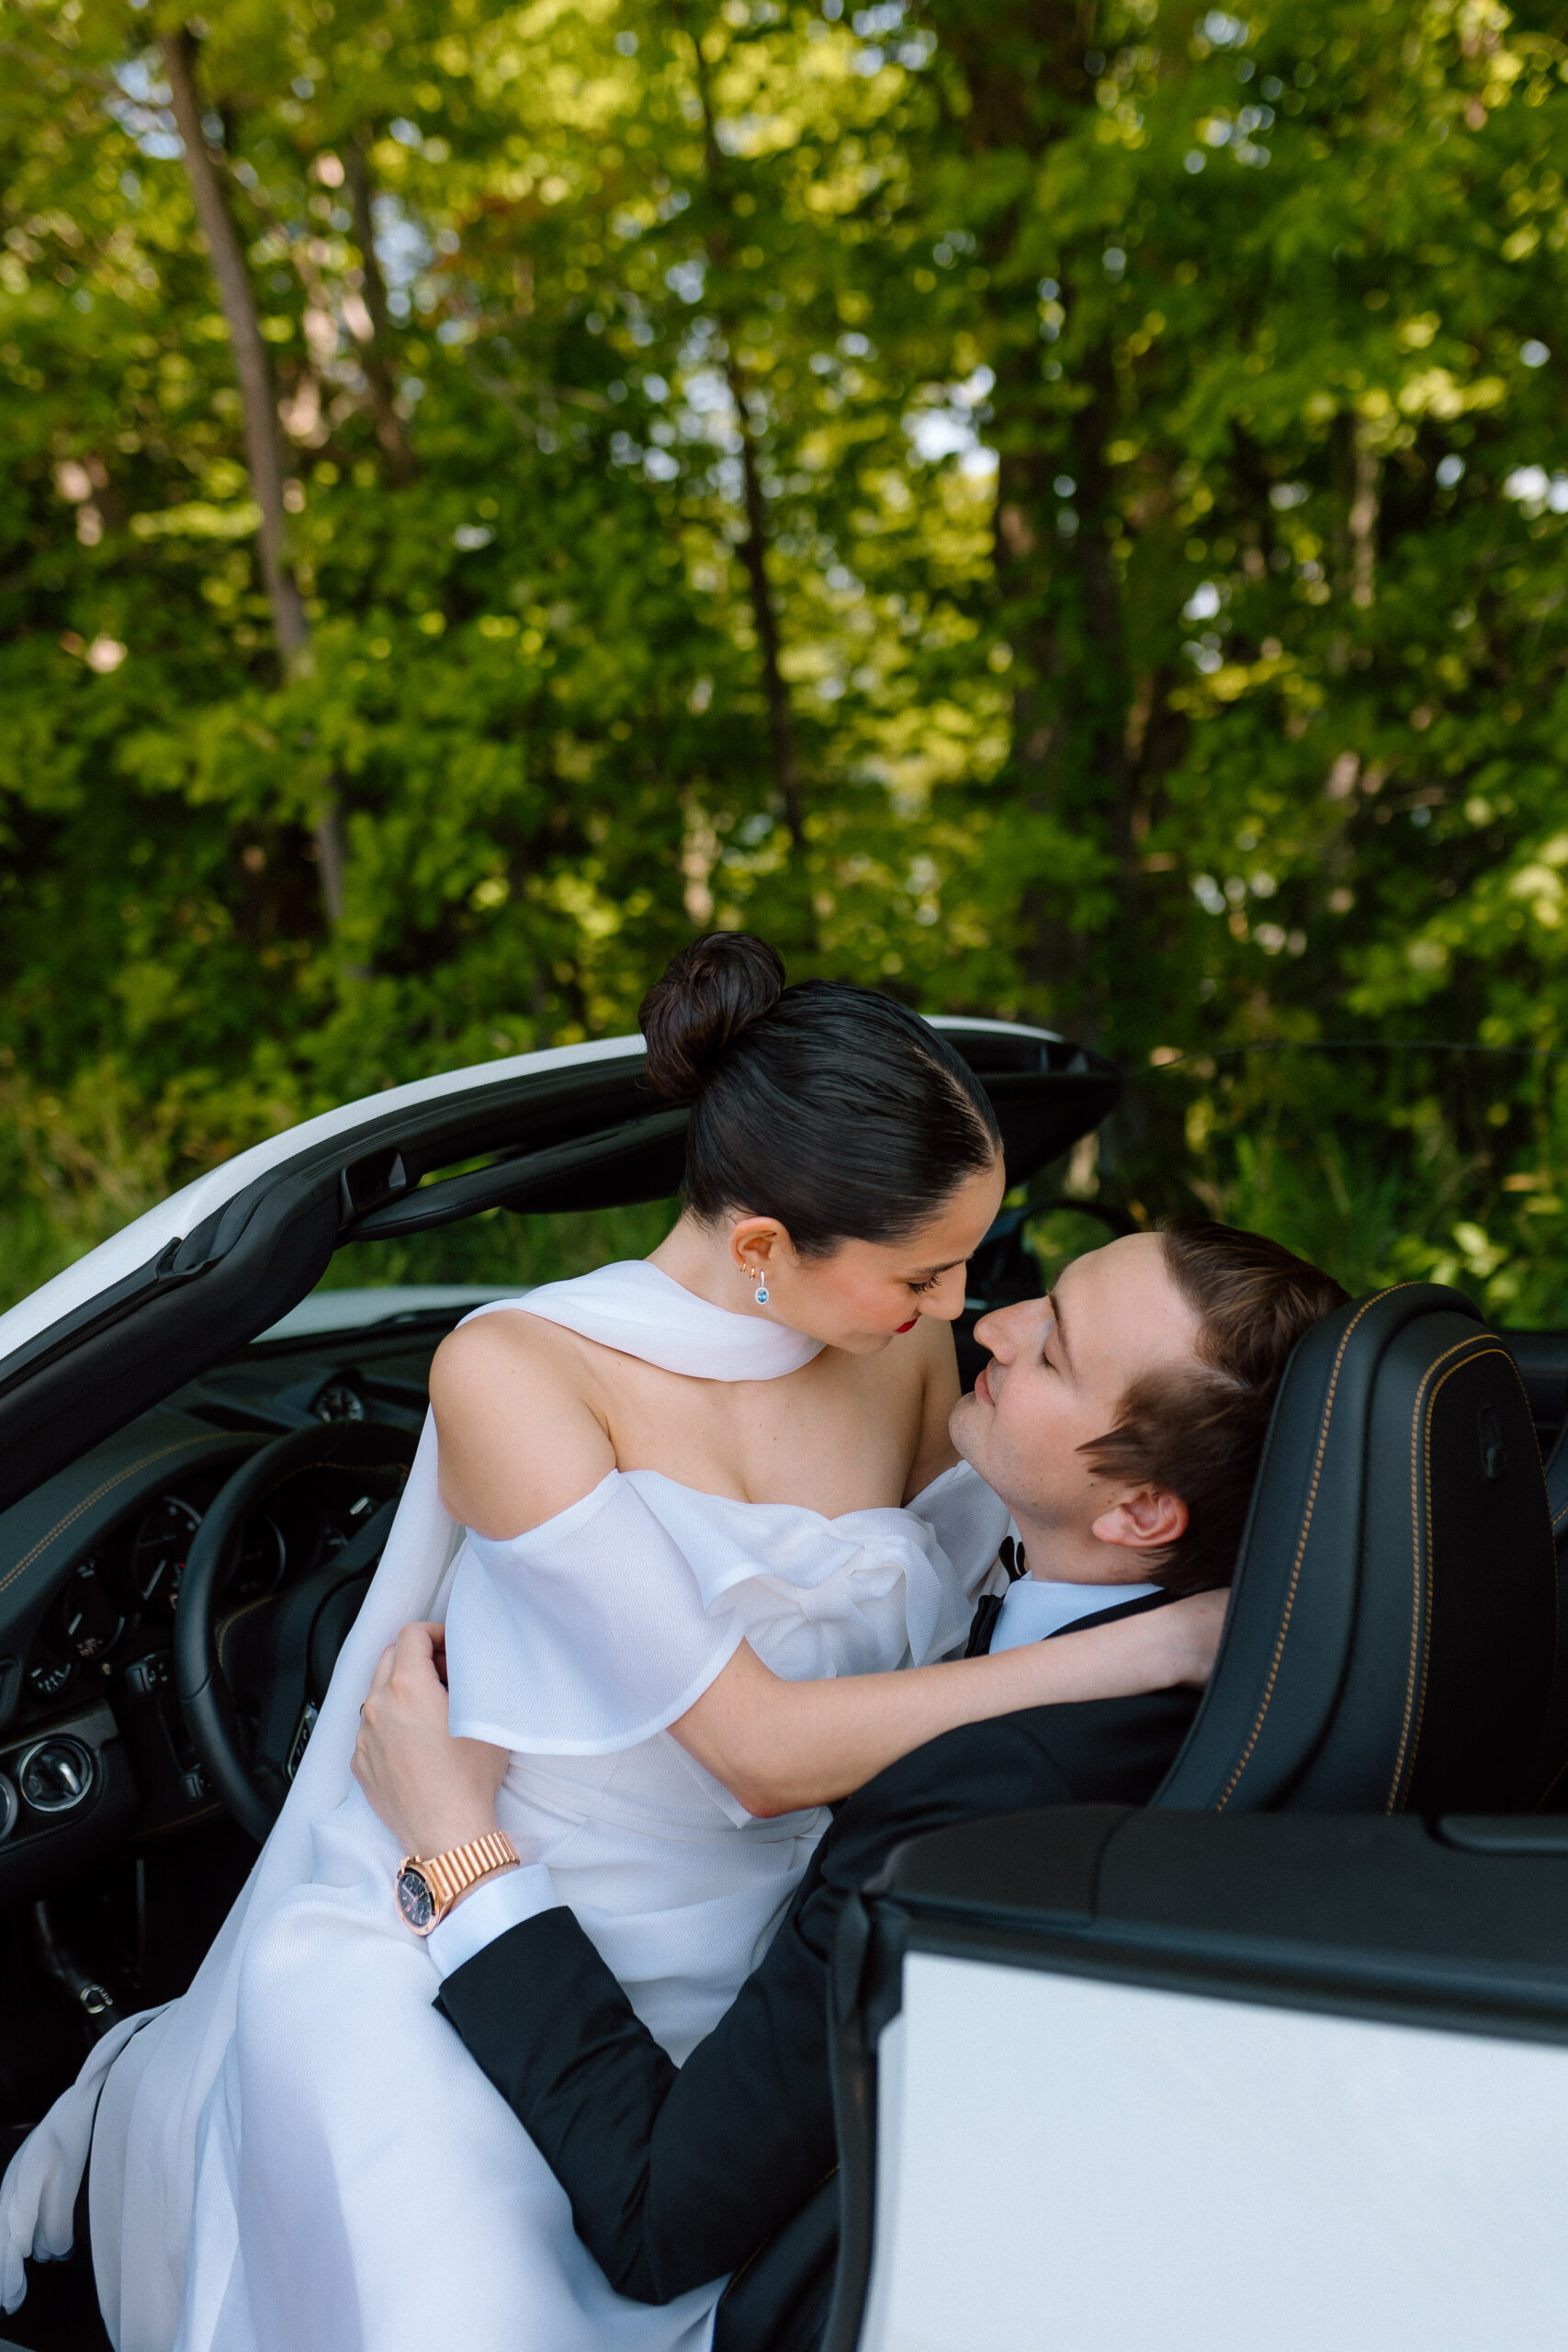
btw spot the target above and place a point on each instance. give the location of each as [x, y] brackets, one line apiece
[532, 1416]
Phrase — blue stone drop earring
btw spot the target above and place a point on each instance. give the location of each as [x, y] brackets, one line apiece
[762, 1290]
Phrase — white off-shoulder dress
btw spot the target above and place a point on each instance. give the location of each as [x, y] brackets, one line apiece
[299, 2155]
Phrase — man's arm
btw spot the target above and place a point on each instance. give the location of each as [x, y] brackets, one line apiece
[675, 2175]
[678, 2175]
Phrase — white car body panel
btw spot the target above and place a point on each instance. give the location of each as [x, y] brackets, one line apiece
[1067, 2165]
[184, 1210]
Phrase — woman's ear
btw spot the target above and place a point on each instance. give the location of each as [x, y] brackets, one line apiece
[759, 1245]
[1149, 1519]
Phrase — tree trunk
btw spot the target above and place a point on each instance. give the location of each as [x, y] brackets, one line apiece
[1363, 518]
[754, 549]
[754, 555]
[1057, 600]
[258, 395]
[399, 465]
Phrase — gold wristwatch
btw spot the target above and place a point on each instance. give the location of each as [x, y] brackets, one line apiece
[429, 1885]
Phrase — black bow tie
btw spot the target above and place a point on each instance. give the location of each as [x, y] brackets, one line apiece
[989, 1607]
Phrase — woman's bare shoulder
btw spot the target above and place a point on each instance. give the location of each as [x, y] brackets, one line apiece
[521, 1432]
[920, 1360]
[907, 1368]
[939, 1394]
[510, 1344]
[939, 1354]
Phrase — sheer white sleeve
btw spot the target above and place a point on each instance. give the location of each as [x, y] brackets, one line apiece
[583, 1636]
[968, 1519]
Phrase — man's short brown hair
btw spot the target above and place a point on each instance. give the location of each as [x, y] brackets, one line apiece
[1198, 1432]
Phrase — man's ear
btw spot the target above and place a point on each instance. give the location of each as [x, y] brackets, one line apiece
[1149, 1519]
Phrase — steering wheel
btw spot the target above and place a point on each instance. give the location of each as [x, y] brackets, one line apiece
[284, 1645]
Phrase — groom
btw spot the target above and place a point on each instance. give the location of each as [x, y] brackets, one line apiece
[1120, 1420]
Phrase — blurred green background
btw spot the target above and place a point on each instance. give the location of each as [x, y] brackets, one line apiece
[1055, 511]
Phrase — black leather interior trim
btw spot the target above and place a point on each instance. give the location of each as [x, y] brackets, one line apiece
[863, 1996]
[1277, 1974]
[653, 1149]
[1357, 1913]
[777, 2301]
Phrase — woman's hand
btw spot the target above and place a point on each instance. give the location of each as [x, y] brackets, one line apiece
[432, 1791]
[1158, 1649]
[1186, 1637]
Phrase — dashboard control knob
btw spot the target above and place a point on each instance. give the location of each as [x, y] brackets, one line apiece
[338, 1401]
[57, 1775]
[10, 1808]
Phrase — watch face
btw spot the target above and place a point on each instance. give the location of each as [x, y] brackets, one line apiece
[415, 1900]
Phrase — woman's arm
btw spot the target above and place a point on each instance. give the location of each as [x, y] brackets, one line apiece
[778, 1746]
[519, 1434]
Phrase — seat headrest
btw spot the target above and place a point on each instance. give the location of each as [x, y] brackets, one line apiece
[1392, 1636]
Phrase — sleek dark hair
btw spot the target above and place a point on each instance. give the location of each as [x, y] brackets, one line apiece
[1198, 1432]
[834, 1109]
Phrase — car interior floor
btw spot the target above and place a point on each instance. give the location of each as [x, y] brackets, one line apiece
[73, 1962]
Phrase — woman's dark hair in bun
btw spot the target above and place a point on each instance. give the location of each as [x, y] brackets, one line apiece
[832, 1108]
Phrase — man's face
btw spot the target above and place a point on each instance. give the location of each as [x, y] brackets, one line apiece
[1060, 1368]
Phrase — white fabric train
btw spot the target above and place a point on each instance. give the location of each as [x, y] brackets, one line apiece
[298, 2153]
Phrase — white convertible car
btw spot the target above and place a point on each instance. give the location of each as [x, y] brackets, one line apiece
[1278, 2062]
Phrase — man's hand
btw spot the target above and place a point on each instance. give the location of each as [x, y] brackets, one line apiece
[432, 1791]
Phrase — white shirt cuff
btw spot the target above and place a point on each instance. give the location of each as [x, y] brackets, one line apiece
[501, 1903]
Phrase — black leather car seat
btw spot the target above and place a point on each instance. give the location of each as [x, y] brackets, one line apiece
[1393, 1640]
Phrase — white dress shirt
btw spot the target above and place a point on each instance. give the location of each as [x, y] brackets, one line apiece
[1034, 1608]
[501, 1903]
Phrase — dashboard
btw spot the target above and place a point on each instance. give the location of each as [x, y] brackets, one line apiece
[92, 1744]
[131, 1584]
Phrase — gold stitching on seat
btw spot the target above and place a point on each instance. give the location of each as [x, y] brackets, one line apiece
[131, 1471]
[1229, 1790]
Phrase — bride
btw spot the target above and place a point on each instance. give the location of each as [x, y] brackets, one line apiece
[682, 1516]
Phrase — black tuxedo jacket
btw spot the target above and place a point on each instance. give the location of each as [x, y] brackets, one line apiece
[678, 2175]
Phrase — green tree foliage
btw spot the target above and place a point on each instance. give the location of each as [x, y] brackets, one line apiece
[1053, 510]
